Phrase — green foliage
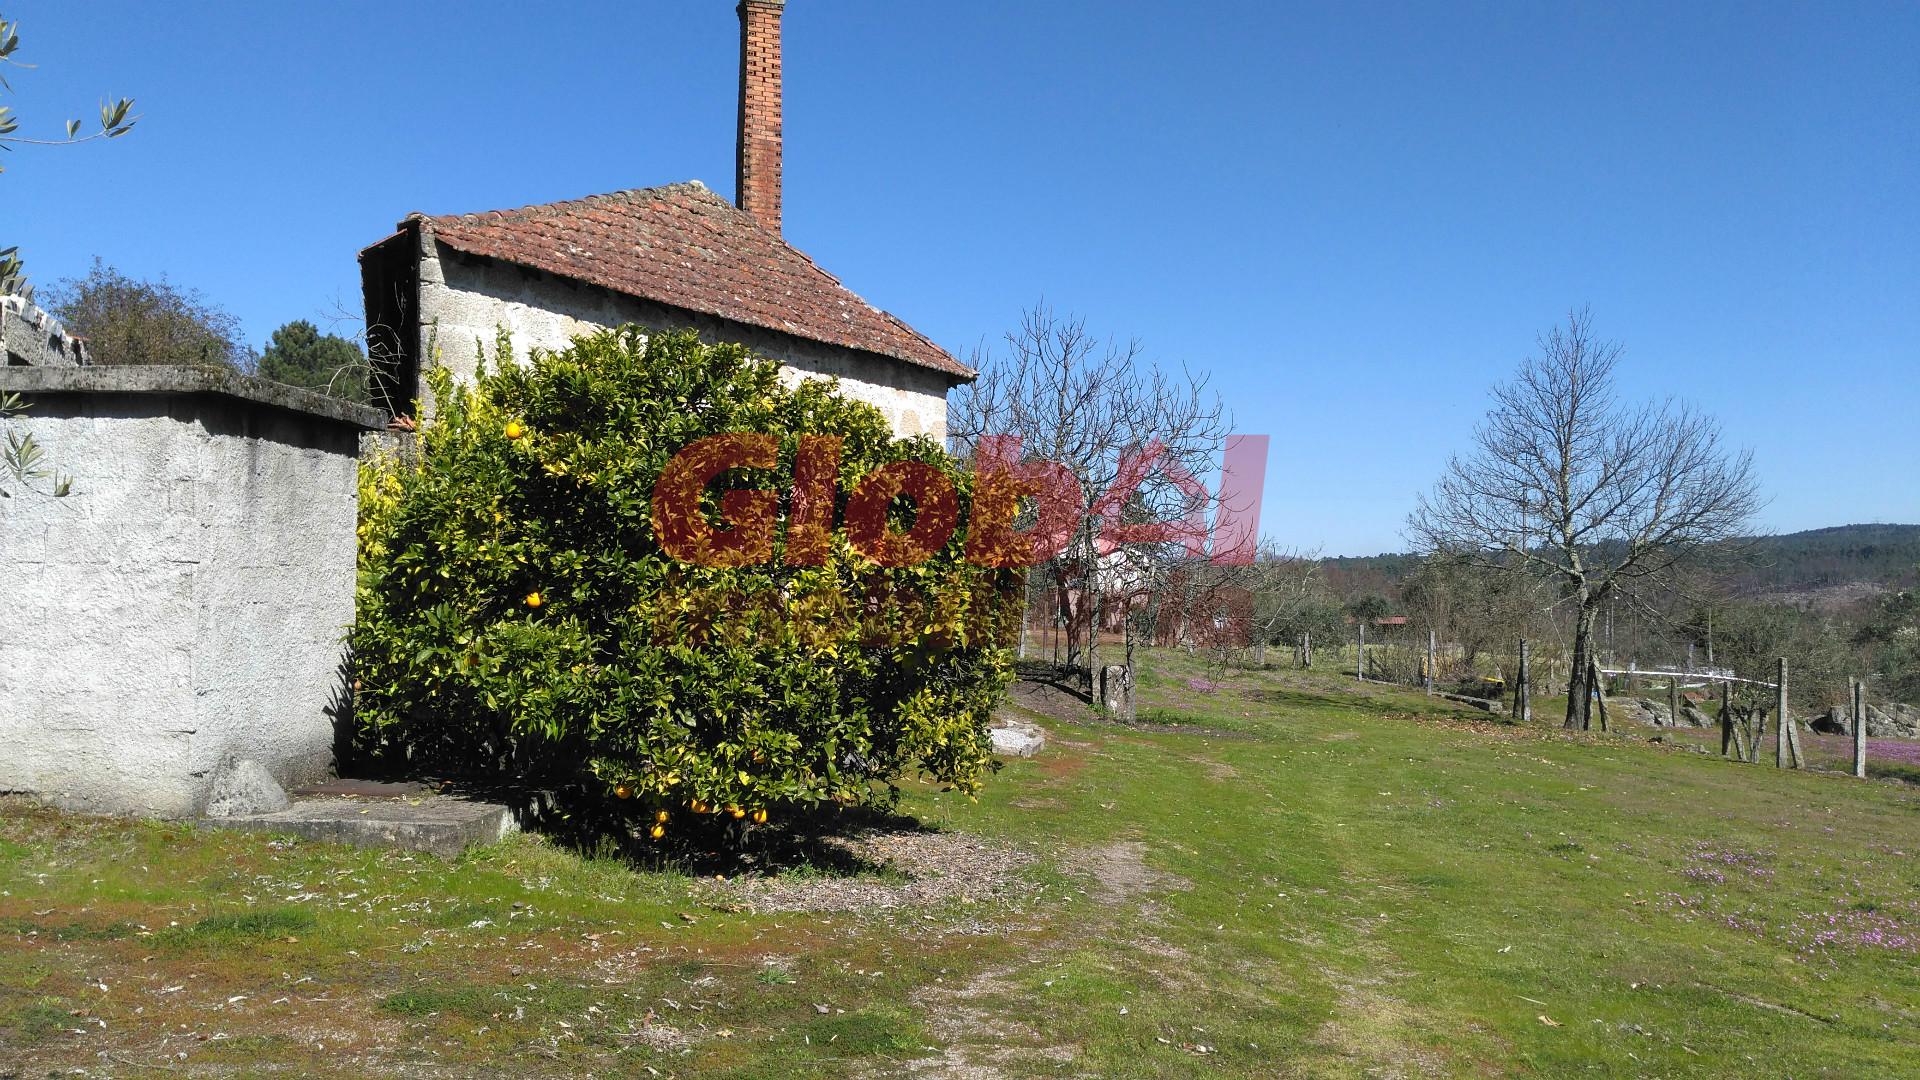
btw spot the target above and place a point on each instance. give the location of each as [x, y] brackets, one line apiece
[1750, 638]
[1891, 636]
[115, 120]
[22, 458]
[129, 321]
[1321, 616]
[300, 355]
[1370, 607]
[517, 616]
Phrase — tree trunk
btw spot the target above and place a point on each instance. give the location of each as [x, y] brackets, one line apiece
[1068, 631]
[1092, 579]
[1579, 685]
[1599, 691]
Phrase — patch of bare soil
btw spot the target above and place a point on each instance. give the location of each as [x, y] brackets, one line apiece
[1051, 699]
[1216, 770]
[1372, 1027]
[1120, 871]
[983, 1039]
[1369, 1030]
[907, 869]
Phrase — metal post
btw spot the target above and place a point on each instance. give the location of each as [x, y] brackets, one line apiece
[1860, 728]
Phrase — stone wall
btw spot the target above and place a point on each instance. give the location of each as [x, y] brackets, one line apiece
[29, 335]
[464, 299]
[184, 606]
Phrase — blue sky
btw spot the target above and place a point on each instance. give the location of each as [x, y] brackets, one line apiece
[1357, 217]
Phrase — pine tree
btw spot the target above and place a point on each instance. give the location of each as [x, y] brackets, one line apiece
[298, 354]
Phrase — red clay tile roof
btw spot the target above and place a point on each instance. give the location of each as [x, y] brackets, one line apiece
[683, 245]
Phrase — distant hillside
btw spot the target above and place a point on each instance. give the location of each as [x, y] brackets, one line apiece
[1846, 560]
[1887, 555]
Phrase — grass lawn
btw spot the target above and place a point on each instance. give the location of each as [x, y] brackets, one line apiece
[1279, 874]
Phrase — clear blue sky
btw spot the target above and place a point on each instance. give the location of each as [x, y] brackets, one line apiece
[1356, 216]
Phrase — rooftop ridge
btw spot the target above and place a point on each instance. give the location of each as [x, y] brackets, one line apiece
[683, 245]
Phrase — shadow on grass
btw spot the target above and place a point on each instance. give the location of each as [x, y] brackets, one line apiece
[811, 843]
[1320, 702]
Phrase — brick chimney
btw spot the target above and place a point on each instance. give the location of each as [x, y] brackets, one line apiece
[757, 173]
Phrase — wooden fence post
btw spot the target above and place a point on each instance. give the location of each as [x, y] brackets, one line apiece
[1432, 652]
[1795, 758]
[1633, 681]
[1360, 665]
[1306, 643]
[1726, 716]
[1860, 728]
[1673, 699]
[1523, 693]
[1780, 744]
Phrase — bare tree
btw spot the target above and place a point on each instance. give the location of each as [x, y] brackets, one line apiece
[1601, 498]
[1094, 407]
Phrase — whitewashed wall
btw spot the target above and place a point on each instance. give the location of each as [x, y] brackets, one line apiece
[186, 603]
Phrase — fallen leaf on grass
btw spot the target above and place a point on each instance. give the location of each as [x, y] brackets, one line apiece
[1548, 1020]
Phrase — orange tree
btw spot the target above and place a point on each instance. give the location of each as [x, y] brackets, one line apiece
[521, 618]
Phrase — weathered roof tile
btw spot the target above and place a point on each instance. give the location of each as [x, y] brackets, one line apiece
[683, 245]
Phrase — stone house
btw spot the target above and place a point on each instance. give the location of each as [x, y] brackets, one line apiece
[672, 257]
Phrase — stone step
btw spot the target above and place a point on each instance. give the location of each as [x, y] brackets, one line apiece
[444, 825]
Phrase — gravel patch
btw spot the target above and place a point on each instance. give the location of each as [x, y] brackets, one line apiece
[913, 869]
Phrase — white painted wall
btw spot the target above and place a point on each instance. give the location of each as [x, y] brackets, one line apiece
[185, 604]
[464, 300]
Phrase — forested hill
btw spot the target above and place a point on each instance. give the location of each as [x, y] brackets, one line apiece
[1881, 555]
[1844, 555]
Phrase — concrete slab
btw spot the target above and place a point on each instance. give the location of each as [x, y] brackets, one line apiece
[1016, 738]
[445, 825]
[370, 789]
